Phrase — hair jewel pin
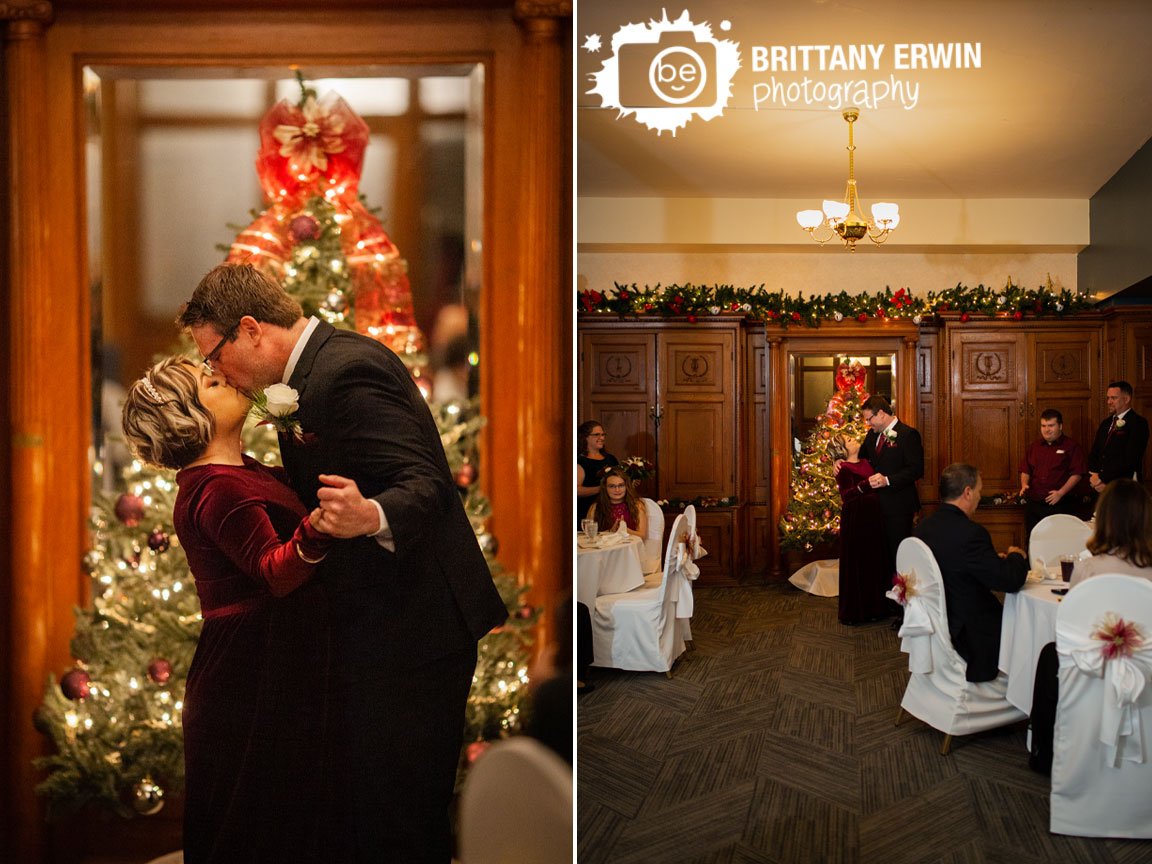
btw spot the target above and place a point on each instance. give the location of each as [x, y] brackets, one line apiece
[151, 390]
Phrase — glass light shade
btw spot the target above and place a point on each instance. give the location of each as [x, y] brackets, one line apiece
[835, 210]
[886, 215]
[809, 218]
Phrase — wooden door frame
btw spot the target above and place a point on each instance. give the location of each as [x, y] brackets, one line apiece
[872, 337]
[525, 331]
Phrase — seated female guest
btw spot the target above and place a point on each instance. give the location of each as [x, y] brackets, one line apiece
[592, 461]
[1122, 541]
[618, 503]
[254, 698]
[866, 562]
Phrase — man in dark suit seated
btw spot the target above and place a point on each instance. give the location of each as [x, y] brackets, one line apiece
[1118, 450]
[972, 570]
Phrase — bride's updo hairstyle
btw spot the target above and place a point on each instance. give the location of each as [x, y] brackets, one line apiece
[165, 424]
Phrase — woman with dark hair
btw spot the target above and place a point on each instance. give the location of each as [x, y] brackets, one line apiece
[1121, 543]
[1122, 540]
[592, 461]
[618, 503]
[255, 783]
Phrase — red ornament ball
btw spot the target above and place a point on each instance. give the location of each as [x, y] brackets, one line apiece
[76, 684]
[159, 671]
[129, 509]
[964, 316]
[158, 541]
[862, 317]
[303, 228]
[1018, 315]
[475, 750]
[466, 476]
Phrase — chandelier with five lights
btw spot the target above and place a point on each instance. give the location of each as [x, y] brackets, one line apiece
[843, 219]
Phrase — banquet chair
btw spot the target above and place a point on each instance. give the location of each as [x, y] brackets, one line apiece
[1056, 535]
[938, 692]
[637, 630]
[650, 558]
[516, 805]
[1102, 762]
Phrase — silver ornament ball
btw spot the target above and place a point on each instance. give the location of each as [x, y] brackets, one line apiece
[147, 797]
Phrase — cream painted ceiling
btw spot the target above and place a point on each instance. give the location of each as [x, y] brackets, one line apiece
[1062, 100]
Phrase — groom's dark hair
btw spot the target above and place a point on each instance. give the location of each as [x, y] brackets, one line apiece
[230, 291]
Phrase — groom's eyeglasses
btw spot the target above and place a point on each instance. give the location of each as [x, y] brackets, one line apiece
[214, 355]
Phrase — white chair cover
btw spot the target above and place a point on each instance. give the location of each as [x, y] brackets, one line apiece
[691, 571]
[638, 630]
[650, 559]
[1102, 767]
[1056, 535]
[516, 805]
[941, 696]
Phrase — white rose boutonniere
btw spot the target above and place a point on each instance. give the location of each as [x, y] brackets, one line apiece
[890, 436]
[1119, 422]
[276, 406]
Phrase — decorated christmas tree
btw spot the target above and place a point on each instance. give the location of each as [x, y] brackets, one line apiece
[813, 513]
[115, 717]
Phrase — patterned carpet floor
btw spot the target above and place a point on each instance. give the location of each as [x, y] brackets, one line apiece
[775, 741]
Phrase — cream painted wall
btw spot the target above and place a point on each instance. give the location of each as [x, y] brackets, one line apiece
[831, 268]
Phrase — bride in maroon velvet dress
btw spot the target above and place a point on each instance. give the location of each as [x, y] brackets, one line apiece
[254, 701]
[866, 562]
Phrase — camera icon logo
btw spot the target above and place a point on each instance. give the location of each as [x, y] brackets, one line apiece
[679, 70]
[665, 72]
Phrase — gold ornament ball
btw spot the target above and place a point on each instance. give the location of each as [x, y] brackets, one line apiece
[147, 797]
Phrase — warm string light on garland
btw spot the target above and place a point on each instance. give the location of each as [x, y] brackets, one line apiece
[694, 302]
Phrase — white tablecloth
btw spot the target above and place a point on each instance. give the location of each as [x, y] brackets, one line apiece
[610, 570]
[821, 578]
[1028, 625]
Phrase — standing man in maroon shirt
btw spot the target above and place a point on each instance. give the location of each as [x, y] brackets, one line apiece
[1052, 466]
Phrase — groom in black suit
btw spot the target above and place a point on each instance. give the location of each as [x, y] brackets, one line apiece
[409, 588]
[1118, 450]
[896, 454]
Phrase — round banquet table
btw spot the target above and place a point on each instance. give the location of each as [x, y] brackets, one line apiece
[607, 569]
[1029, 623]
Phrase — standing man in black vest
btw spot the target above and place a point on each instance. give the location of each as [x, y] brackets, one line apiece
[1118, 450]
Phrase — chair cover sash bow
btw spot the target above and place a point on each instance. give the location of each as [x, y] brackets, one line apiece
[1118, 652]
[916, 631]
[693, 543]
[684, 572]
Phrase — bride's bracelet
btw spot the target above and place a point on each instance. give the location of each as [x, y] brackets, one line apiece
[308, 560]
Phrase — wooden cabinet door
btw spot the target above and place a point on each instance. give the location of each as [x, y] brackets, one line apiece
[1066, 378]
[697, 422]
[989, 399]
[618, 388]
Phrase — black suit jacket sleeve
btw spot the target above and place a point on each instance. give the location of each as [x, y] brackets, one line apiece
[373, 408]
[984, 565]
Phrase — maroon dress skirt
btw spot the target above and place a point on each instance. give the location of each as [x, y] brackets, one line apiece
[866, 562]
[255, 783]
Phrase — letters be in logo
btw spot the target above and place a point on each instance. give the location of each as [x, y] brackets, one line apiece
[666, 72]
[679, 70]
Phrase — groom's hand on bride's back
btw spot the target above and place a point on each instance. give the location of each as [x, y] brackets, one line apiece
[344, 511]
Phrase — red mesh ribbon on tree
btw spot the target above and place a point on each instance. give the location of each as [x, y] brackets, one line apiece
[309, 164]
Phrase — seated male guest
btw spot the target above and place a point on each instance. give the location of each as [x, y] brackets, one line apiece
[971, 569]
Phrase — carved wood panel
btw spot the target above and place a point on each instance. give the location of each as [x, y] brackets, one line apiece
[761, 529]
[1064, 363]
[696, 367]
[716, 529]
[985, 433]
[618, 388]
[756, 440]
[987, 364]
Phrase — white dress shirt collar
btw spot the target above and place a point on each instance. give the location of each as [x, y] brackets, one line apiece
[294, 357]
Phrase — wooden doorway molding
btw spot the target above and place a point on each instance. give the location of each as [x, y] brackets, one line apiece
[898, 338]
[525, 332]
